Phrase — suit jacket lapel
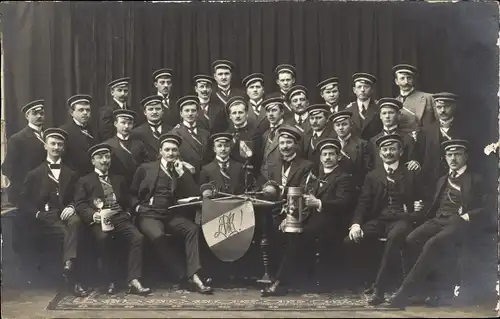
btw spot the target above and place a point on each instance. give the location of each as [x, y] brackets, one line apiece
[120, 153]
[440, 184]
[63, 181]
[152, 176]
[116, 187]
[44, 181]
[189, 139]
[370, 112]
[234, 172]
[150, 139]
[98, 186]
[329, 180]
[419, 100]
[465, 187]
[294, 167]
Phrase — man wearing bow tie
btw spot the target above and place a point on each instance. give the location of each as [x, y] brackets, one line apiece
[388, 207]
[254, 84]
[275, 111]
[194, 149]
[223, 74]
[81, 135]
[286, 76]
[150, 132]
[298, 101]
[127, 153]
[25, 149]
[457, 208]
[119, 89]
[47, 200]
[103, 203]
[320, 128]
[212, 116]
[329, 91]
[390, 112]
[162, 80]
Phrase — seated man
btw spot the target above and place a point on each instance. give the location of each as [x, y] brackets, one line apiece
[47, 196]
[103, 203]
[157, 186]
[330, 194]
[387, 207]
[457, 207]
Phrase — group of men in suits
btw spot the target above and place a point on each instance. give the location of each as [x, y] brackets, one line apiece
[371, 165]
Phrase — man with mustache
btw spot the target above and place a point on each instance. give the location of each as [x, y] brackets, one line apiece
[81, 135]
[157, 186]
[275, 111]
[25, 149]
[320, 128]
[223, 74]
[457, 209]
[127, 153]
[212, 116]
[298, 101]
[418, 106]
[254, 84]
[365, 111]
[162, 81]
[150, 132]
[47, 200]
[329, 91]
[388, 207]
[101, 194]
[194, 149]
[286, 75]
[327, 197]
[119, 89]
[390, 112]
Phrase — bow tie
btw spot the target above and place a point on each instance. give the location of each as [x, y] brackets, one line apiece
[240, 129]
[104, 176]
[156, 126]
[389, 132]
[223, 164]
[54, 166]
[453, 174]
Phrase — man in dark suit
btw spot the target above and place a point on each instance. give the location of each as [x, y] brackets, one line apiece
[418, 106]
[81, 135]
[223, 74]
[25, 149]
[356, 158]
[212, 115]
[127, 153]
[387, 207]
[457, 209]
[47, 197]
[365, 111]
[329, 91]
[162, 80]
[254, 85]
[390, 112]
[150, 132]
[286, 75]
[275, 111]
[194, 149]
[320, 128]
[298, 101]
[103, 203]
[326, 198]
[119, 89]
[157, 186]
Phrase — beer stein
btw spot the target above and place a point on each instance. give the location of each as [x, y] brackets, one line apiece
[295, 209]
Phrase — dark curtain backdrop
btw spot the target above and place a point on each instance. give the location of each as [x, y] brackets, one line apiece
[54, 50]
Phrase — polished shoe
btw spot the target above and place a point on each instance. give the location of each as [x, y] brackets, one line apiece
[376, 299]
[68, 268]
[200, 287]
[273, 290]
[111, 290]
[437, 301]
[135, 287]
[397, 301]
[79, 291]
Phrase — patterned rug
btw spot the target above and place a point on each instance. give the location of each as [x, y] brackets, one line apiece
[229, 299]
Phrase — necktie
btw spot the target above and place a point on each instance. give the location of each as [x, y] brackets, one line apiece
[194, 135]
[156, 131]
[300, 121]
[204, 107]
[453, 174]
[124, 105]
[389, 132]
[39, 136]
[286, 165]
[272, 133]
[224, 167]
[314, 140]
[363, 110]
[54, 166]
[390, 175]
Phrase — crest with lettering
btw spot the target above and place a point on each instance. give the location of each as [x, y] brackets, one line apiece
[228, 227]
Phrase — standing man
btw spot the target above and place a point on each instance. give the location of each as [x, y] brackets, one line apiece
[418, 106]
[387, 207]
[223, 74]
[119, 89]
[212, 116]
[47, 197]
[254, 84]
[329, 91]
[25, 149]
[194, 148]
[127, 153]
[157, 186]
[162, 80]
[81, 135]
[275, 111]
[286, 75]
[320, 129]
[298, 118]
[150, 132]
[103, 197]
[365, 111]
[456, 210]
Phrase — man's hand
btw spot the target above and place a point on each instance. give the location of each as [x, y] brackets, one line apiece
[207, 193]
[355, 233]
[418, 205]
[67, 213]
[97, 217]
[312, 201]
[282, 225]
[413, 165]
[465, 217]
[179, 167]
[141, 209]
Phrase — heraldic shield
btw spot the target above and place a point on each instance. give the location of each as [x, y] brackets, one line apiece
[228, 226]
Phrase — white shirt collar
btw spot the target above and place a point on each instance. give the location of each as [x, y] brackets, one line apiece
[51, 162]
[191, 126]
[224, 89]
[36, 128]
[163, 162]
[441, 122]
[160, 94]
[204, 101]
[283, 93]
[220, 159]
[345, 139]
[406, 94]
[304, 116]
[319, 133]
[153, 124]
[288, 159]
[391, 128]
[460, 171]
[121, 137]
[120, 104]
[256, 104]
[277, 124]
[78, 123]
[329, 170]
[242, 125]
[99, 172]
[394, 166]
[365, 103]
